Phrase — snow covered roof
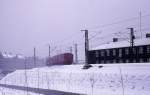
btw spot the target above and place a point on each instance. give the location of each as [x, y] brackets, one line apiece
[10, 55]
[138, 42]
[7, 55]
[20, 56]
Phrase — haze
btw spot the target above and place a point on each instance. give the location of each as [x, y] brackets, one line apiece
[25, 24]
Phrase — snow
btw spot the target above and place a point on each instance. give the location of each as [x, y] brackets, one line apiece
[7, 55]
[112, 79]
[20, 56]
[10, 55]
[138, 42]
[7, 91]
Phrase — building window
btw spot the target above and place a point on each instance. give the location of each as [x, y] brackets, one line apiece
[140, 50]
[127, 51]
[114, 52]
[96, 54]
[134, 50]
[148, 59]
[102, 53]
[102, 61]
[134, 60]
[114, 61]
[97, 62]
[141, 60]
[127, 61]
[120, 61]
[107, 52]
[120, 52]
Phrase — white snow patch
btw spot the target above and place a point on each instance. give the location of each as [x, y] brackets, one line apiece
[138, 42]
[107, 80]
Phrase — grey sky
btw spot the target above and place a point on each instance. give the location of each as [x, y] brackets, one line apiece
[28, 23]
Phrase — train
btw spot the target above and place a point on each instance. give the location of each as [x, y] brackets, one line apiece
[61, 59]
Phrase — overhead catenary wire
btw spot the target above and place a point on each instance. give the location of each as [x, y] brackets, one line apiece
[121, 33]
[118, 22]
[95, 37]
[69, 37]
[101, 26]
[105, 25]
[109, 35]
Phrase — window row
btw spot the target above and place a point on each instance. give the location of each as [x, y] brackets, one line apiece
[119, 52]
[121, 61]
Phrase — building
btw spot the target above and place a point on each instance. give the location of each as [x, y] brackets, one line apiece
[121, 52]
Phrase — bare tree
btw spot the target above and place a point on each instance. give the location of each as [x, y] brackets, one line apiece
[92, 81]
[122, 82]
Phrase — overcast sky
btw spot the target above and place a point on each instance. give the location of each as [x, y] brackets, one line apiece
[28, 23]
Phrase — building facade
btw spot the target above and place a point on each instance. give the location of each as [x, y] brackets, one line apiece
[115, 52]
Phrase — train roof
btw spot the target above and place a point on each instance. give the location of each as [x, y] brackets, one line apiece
[120, 44]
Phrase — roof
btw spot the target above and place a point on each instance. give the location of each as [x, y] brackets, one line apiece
[138, 42]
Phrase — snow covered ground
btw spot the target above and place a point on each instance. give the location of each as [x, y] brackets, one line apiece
[7, 91]
[112, 79]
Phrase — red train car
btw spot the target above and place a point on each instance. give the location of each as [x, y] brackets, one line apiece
[61, 59]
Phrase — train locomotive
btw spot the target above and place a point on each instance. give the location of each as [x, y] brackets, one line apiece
[61, 59]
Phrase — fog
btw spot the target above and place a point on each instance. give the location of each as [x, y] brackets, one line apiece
[25, 24]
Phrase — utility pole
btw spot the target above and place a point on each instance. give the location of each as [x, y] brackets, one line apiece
[26, 77]
[87, 65]
[132, 37]
[140, 23]
[37, 69]
[86, 46]
[49, 51]
[34, 57]
[76, 53]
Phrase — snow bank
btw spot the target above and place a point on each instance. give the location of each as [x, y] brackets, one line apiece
[112, 79]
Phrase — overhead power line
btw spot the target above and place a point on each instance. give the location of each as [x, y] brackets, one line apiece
[118, 22]
[94, 35]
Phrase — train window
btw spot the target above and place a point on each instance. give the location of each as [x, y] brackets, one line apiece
[96, 54]
[140, 50]
[114, 52]
[126, 51]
